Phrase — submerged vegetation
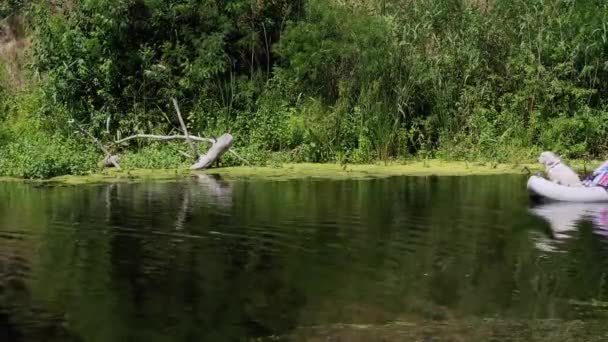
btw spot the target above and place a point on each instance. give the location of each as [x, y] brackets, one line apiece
[303, 80]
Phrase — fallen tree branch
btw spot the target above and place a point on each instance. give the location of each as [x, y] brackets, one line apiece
[163, 137]
[109, 158]
[184, 128]
[239, 157]
[187, 155]
[219, 147]
[108, 124]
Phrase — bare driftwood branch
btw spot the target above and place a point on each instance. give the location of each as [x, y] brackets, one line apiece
[108, 124]
[187, 155]
[239, 157]
[219, 147]
[184, 128]
[163, 137]
[109, 158]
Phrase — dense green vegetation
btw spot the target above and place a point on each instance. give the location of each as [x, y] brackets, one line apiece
[310, 80]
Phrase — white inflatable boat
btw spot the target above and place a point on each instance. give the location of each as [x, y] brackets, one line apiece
[545, 189]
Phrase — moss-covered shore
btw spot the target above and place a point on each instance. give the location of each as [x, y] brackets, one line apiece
[308, 170]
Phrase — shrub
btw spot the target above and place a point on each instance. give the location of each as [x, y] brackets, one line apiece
[157, 155]
[42, 155]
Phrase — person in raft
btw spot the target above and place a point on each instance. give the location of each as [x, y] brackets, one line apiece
[599, 177]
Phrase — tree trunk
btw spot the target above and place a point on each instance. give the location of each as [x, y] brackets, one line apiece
[110, 160]
[220, 146]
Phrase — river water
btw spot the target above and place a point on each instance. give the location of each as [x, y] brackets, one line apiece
[391, 259]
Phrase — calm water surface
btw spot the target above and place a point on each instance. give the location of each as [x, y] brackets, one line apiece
[205, 259]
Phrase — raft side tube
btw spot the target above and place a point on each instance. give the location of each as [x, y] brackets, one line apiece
[548, 190]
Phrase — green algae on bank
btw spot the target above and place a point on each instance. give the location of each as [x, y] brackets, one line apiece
[109, 176]
[432, 167]
[112, 175]
[311, 170]
[419, 168]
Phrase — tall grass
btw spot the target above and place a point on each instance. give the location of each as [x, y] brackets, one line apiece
[463, 79]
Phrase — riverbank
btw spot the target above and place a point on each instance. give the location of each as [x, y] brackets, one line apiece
[305, 170]
[379, 94]
[311, 170]
[414, 168]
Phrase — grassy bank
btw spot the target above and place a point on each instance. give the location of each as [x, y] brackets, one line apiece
[308, 170]
[532, 330]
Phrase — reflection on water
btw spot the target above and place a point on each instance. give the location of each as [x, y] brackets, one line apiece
[217, 191]
[564, 218]
[206, 259]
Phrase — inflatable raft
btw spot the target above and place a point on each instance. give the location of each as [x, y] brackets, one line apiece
[543, 189]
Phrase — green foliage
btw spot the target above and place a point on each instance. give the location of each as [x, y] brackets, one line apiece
[269, 125]
[455, 78]
[42, 155]
[34, 148]
[4, 94]
[335, 44]
[11, 7]
[582, 135]
[323, 80]
[254, 154]
[126, 58]
[156, 156]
